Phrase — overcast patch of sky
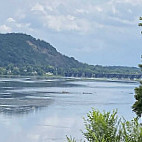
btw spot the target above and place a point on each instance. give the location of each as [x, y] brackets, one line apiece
[92, 31]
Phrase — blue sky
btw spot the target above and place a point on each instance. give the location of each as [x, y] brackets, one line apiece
[101, 32]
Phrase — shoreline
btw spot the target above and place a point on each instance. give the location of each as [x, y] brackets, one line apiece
[124, 80]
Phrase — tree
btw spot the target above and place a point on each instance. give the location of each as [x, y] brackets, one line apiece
[106, 127]
[137, 106]
[140, 24]
[102, 127]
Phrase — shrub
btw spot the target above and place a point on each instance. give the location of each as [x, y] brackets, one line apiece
[106, 127]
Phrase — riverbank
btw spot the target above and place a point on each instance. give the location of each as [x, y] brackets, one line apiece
[123, 80]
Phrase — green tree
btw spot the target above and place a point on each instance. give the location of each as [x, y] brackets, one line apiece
[137, 106]
[140, 24]
[2, 71]
[106, 127]
[102, 127]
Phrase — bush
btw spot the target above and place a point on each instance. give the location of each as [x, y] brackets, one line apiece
[137, 106]
[106, 127]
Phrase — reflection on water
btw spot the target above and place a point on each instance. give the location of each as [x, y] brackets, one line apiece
[46, 110]
[24, 95]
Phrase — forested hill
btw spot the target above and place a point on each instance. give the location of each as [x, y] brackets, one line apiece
[21, 50]
[21, 54]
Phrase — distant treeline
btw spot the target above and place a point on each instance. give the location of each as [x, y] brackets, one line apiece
[92, 71]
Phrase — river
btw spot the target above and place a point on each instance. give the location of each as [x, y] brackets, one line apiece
[36, 109]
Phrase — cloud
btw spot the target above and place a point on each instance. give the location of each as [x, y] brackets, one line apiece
[5, 29]
[37, 7]
[56, 18]
[132, 2]
[12, 25]
[99, 9]
[60, 23]
[82, 11]
[85, 25]
[124, 22]
[10, 20]
[61, 15]
[66, 23]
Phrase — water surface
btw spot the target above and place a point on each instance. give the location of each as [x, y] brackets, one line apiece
[46, 110]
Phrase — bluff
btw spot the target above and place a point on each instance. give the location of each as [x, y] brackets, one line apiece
[21, 49]
[22, 54]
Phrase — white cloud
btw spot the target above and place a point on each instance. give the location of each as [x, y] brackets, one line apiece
[56, 17]
[80, 17]
[60, 23]
[33, 137]
[114, 10]
[38, 7]
[82, 11]
[77, 18]
[99, 9]
[123, 21]
[60, 16]
[5, 29]
[67, 23]
[132, 2]
[49, 8]
[70, 17]
[10, 20]
[22, 25]
[15, 24]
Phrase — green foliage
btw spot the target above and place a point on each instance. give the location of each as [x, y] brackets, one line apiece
[71, 139]
[137, 106]
[21, 54]
[22, 50]
[106, 127]
[102, 127]
[140, 18]
[131, 131]
[140, 24]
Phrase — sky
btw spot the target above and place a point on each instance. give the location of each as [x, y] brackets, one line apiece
[97, 32]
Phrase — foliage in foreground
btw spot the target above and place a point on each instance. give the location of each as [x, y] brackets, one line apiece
[107, 127]
[137, 106]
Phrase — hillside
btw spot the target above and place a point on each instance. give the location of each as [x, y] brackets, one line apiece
[21, 49]
[21, 54]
